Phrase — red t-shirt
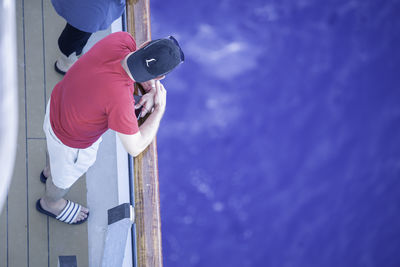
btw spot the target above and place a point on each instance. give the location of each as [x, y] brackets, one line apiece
[96, 94]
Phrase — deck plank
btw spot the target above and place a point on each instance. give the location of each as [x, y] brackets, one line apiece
[63, 239]
[38, 245]
[53, 26]
[17, 194]
[17, 204]
[3, 236]
[34, 68]
[17, 210]
[70, 239]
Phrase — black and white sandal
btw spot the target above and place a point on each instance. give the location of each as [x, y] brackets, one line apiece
[67, 215]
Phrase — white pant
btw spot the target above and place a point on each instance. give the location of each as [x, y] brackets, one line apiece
[67, 164]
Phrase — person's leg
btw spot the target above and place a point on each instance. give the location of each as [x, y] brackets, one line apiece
[71, 43]
[60, 158]
[72, 40]
[65, 173]
[54, 202]
[46, 170]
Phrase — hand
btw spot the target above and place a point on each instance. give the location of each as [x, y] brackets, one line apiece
[148, 86]
[160, 97]
[146, 102]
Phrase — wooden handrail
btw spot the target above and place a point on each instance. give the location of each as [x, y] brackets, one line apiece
[147, 195]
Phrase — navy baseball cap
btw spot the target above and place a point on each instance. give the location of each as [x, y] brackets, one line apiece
[155, 59]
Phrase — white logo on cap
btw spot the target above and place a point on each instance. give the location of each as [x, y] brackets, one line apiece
[148, 61]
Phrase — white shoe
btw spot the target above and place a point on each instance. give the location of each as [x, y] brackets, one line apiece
[63, 63]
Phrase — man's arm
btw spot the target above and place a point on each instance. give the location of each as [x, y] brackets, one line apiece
[138, 142]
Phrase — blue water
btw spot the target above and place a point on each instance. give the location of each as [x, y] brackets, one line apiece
[280, 145]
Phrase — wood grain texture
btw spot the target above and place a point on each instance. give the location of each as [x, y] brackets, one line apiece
[38, 245]
[147, 195]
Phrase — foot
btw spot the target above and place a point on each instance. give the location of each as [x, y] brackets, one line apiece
[58, 206]
[46, 172]
[64, 63]
[44, 175]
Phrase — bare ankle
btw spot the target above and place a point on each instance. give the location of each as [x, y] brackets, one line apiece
[46, 171]
[54, 203]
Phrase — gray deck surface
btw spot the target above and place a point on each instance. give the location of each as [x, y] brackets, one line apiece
[28, 238]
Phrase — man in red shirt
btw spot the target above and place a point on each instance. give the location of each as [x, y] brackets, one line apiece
[95, 95]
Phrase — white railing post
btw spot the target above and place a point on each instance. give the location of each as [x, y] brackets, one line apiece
[120, 220]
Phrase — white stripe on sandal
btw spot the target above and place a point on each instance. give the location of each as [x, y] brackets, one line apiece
[70, 212]
[64, 211]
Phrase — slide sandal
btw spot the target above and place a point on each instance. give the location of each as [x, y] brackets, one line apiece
[67, 215]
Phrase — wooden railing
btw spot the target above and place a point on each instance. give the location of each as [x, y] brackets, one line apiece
[146, 186]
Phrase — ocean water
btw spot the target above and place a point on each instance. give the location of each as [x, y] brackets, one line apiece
[280, 145]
